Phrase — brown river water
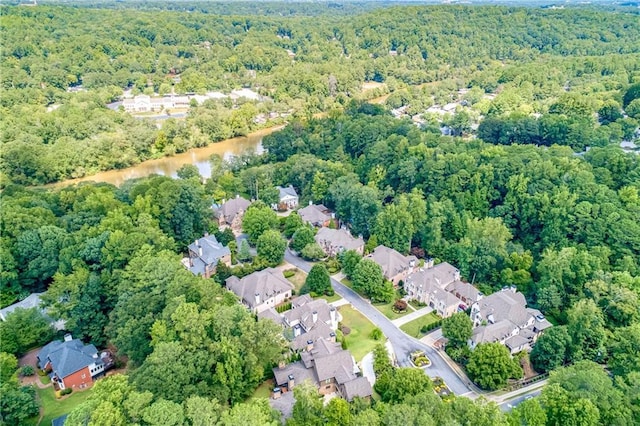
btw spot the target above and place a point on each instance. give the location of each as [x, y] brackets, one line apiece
[168, 166]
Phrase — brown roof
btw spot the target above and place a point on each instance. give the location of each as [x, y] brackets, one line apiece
[231, 208]
[465, 290]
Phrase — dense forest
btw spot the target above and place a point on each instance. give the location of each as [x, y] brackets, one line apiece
[522, 204]
[530, 58]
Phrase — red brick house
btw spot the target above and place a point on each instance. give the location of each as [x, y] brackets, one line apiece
[71, 363]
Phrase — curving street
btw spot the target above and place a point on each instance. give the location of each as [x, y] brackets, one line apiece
[401, 342]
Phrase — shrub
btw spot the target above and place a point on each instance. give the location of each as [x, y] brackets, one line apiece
[345, 330]
[289, 273]
[400, 305]
[27, 370]
[376, 334]
[66, 391]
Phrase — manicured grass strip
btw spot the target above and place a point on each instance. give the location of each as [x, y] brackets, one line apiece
[358, 341]
[412, 328]
[298, 280]
[264, 390]
[53, 407]
[386, 309]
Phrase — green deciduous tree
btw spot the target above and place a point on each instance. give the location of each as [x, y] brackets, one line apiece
[349, 260]
[312, 252]
[551, 350]
[400, 383]
[490, 366]
[457, 328]
[25, 329]
[258, 219]
[271, 247]
[301, 238]
[368, 280]
[318, 281]
[585, 324]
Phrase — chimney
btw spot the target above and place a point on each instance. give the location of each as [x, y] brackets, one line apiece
[314, 316]
[281, 364]
[332, 312]
[309, 345]
[310, 202]
[296, 331]
[196, 243]
[206, 234]
[200, 251]
[332, 337]
[237, 195]
[291, 382]
[68, 337]
[257, 298]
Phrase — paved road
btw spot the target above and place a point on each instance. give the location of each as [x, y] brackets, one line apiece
[512, 403]
[402, 344]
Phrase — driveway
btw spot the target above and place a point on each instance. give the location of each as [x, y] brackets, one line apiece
[402, 344]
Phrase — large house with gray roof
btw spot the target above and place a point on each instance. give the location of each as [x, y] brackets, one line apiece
[504, 317]
[329, 367]
[204, 256]
[335, 241]
[441, 288]
[71, 363]
[395, 266]
[261, 290]
[306, 322]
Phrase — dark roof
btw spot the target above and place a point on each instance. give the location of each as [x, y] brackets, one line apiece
[67, 357]
[287, 191]
[59, 421]
[231, 208]
[358, 387]
[296, 369]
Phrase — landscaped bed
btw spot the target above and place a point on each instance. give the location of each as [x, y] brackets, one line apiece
[359, 340]
[414, 328]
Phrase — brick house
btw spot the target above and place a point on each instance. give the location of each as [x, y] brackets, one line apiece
[329, 367]
[204, 256]
[230, 213]
[316, 215]
[72, 364]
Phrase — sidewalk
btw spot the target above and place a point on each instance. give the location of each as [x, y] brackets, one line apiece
[410, 317]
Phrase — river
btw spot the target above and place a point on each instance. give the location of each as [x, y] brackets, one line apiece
[168, 166]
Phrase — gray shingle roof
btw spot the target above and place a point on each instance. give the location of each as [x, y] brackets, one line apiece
[212, 250]
[391, 261]
[67, 357]
[338, 238]
[358, 387]
[287, 191]
[266, 284]
[314, 214]
[505, 305]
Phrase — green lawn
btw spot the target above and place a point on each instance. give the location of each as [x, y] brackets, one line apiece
[358, 340]
[263, 391]
[347, 282]
[53, 407]
[298, 280]
[412, 328]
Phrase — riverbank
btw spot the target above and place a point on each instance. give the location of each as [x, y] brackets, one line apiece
[168, 166]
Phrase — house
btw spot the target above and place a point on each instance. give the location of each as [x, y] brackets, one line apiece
[503, 317]
[71, 363]
[329, 367]
[30, 302]
[440, 288]
[261, 290]
[288, 197]
[204, 256]
[395, 266]
[230, 213]
[309, 320]
[335, 241]
[316, 215]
